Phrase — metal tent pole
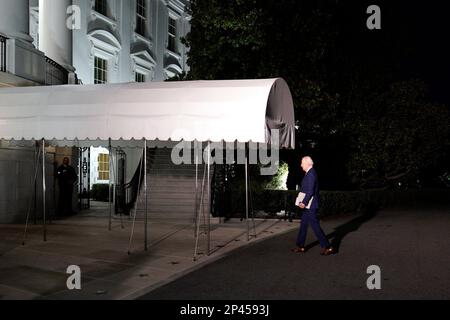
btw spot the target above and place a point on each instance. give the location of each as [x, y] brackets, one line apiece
[54, 195]
[251, 205]
[246, 193]
[44, 190]
[135, 208]
[196, 192]
[36, 165]
[209, 199]
[201, 208]
[109, 186]
[114, 174]
[89, 179]
[145, 190]
[80, 174]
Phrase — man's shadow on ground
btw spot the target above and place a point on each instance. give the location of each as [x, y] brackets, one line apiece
[340, 232]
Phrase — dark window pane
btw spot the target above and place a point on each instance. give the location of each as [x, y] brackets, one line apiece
[100, 6]
[172, 30]
[100, 70]
[140, 77]
[141, 17]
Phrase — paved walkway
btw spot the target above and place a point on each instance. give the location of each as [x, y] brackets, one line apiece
[38, 269]
[411, 246]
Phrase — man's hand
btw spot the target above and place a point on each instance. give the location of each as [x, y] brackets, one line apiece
[302, 206]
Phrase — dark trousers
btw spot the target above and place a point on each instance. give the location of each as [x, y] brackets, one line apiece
[309, 218]
[65, 199]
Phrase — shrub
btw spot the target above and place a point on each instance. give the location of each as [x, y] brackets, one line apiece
[99, 192]
[338, 202]
[278, 181]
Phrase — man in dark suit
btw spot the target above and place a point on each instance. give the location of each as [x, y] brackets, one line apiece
[67, 177]
[310, 187]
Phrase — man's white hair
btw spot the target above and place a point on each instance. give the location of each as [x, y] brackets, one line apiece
[308, 160]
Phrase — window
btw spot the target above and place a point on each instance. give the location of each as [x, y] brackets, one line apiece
[100, 71]
[141, 17]
[101, 7]
[172, 35]
[2, 54]
[103, 166]
[140, 77]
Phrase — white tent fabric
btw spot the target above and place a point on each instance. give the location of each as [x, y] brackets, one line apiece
[230, 110]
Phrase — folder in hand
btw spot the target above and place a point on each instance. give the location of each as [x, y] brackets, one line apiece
[300, 198]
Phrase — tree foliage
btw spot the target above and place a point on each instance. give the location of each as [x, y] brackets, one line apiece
[364, 117]
[400, 135]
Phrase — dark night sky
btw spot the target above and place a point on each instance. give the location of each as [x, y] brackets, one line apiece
[434, 40]
[422, 27]
[430, 33]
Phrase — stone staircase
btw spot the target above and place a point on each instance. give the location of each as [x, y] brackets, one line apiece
[171, 188]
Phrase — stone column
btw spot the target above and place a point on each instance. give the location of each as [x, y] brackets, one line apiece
[55, 38]
[14, 19]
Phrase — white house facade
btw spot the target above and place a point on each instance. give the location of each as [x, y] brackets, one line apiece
[125, 41]
[54, 42]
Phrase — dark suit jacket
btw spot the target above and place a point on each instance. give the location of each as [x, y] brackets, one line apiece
[66, 175]
[310, 187]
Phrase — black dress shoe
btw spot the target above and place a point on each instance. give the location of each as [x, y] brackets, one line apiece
[327, 251]
[299, 250]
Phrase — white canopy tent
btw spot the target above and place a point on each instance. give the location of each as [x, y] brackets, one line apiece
[242, 110]
[155, 113]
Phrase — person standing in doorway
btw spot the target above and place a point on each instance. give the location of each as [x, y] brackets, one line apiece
[67, 177]
[309, 206]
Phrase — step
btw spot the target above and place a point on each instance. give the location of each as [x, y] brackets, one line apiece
[172, 180]
[177, 165]
[165, 186]
[166, 203]
[168, 157]
[167, 166]
[171, 195]
[167, 211]
[172, 173]
[161, 188]
[174, 195]
[172, 201]
[175, 168]
[171, 188]
[169, 216]
[163, 160]
[156, 185]
[161, 209]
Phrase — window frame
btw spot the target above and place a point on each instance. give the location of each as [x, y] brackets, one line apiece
[141, 17]
[100, 69]
[139, 76]
[101, 6]
[172, 36]
[103, 166]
